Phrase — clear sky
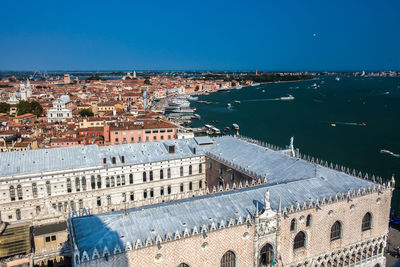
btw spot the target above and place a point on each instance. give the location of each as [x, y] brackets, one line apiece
[200, 35]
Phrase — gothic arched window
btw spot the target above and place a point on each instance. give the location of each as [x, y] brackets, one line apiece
[366, 222]
[12, 193]
[336, 231]
[299, 240]
[228, 259]
[293, 225]
[266, 255]
[19, 192]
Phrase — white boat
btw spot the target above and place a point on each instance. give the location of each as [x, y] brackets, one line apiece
[289, 97]
[235, 126]
[337, 79]
[384, 151]
[255, 84]
[229, 105]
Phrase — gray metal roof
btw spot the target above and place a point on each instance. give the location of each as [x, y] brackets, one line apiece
[139, 223]
[290, 179]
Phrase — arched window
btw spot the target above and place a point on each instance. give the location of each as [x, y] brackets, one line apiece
[308, 221]
[112, 181]
[190, 169]
[266, 255]
[48, 188]
[169, 190]
[122, 179]
[18, 214]
[299, 240]
[92, 182]
[190, 186]
[98, 181]
[131, 178]
[77, 184]
[118, 180]
[200, 184]
[293, 225]
[181, 171]
[228, 259]
[161, 174]
[336, 231]
[200, 168]
[181, 187]
[69, 190]
[183, 265]
[144, 177]
[107, 182]
[151, 176]
[34, 190]
[12, 193]
[19, 192]
[83, 183]
[168, 173]
[366, 222]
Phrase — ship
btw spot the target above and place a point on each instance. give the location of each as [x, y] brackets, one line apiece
[235, 126]
[384, 151]
[288, 97]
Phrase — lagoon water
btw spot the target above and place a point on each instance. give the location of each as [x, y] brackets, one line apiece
[374, 101]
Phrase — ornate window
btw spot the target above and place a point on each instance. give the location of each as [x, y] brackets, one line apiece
[293, 224]
[131, 178]
[366, 222]
[83, 183]
[266, 255]
[183, 265]
[98, 181]
[19, 192]
[34, 190]
[77, 184]
[161, 174]
[299, 240]
[107, 182]
[48, 188]
[69, 189]
[308, 221]
[144, 176]
[228, 259]
[168, 173]
[92, 182]
[190, 169]
[181, 171]
[336, 231]
[18, 214]
[12, 193]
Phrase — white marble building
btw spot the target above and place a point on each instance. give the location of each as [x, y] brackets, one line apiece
[59, 112]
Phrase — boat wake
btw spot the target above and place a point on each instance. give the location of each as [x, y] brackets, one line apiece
[349, 123]
[384, 151]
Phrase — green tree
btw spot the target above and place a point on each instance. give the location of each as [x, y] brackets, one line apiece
[86, 113]
[147, 81]
[4, 107]
[36, 108]
[33, 107]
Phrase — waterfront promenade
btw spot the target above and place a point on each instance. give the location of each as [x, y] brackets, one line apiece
[392, 260]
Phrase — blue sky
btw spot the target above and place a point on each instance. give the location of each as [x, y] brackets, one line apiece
[200, 35]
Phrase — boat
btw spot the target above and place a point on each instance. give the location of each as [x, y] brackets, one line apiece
[289, 97]
[236, 102]
[384, 151]
[235, 126]
[255, 84]
[238, 86]
[337, 79]
[263, 91]
[229, 105]
[227, 128]
[216, 130]
[208, 126]
[196, 116]
[361, 124]
[333, 124]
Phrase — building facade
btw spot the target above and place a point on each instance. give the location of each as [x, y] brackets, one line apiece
[59, 112]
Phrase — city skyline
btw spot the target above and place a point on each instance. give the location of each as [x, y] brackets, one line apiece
[312, 36]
